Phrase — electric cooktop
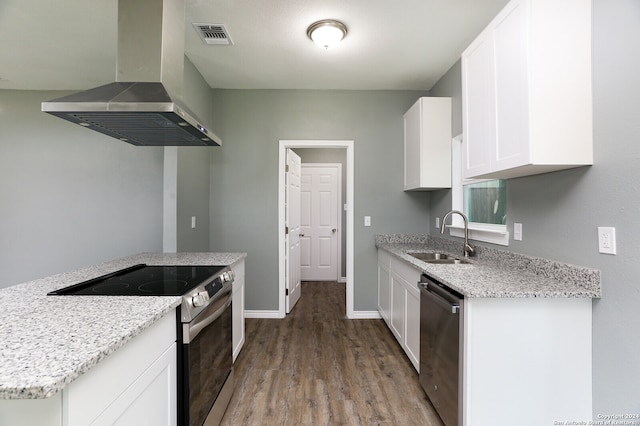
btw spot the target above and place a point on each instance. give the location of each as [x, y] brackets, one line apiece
[144, 280]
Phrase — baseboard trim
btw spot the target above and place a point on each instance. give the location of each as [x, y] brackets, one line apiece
[365, 315]
[276, 314]
[262, 314]
[342, 280]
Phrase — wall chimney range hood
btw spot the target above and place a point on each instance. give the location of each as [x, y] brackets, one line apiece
[144, 106]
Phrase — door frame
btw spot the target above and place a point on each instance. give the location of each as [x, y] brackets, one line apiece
[349, 226]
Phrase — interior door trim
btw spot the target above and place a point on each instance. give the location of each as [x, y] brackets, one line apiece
[349, 226]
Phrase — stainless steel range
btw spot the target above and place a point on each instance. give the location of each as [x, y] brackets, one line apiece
[205, 360]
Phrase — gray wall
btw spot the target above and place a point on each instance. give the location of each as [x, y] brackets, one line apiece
[192, 180]
[193, 198]
[450, 85]
[244, 183]
[561, 211]
[70, 197]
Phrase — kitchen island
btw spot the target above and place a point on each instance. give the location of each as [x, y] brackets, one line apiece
[51, 342]
[525, 328]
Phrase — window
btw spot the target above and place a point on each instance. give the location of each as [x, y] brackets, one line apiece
[483, 201]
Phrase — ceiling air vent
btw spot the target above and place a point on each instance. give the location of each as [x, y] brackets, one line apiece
[213, 33]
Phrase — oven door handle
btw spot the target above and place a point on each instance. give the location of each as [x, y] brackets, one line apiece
[191, 330]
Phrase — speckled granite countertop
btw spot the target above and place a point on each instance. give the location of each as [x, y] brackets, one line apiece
[495, 273]
[49, 341]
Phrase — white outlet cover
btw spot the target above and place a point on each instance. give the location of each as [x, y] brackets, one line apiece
[607, 240]
[517, 231]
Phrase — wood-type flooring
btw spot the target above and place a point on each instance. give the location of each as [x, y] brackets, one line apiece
[316, 367]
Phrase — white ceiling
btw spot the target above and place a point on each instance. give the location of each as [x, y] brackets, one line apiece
[394, 45]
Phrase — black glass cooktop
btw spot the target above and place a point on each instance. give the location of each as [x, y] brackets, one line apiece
[144, 280]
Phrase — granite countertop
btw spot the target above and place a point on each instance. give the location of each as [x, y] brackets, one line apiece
[495, 273]
[49, 341]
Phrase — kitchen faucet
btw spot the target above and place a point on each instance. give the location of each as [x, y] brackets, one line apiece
[468, 250]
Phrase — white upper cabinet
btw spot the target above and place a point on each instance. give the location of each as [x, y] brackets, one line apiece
[526, 91]
[427, 145]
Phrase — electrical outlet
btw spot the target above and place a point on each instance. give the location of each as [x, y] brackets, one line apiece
[193, 222]
[607, 240]
[517, 231]
[437, 222]
[367, 221]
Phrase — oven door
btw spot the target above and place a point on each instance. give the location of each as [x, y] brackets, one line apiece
[207, 363]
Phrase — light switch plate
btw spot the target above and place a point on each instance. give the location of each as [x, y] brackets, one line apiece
[367, 221]
[607, 240]
[193, 222]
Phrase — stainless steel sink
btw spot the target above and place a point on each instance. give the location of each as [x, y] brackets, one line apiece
[439, 258]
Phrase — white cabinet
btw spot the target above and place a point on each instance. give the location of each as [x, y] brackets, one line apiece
[237, 306]
[399, 303]
[526, 91]
[427, 145]
[134, 385]
[532, 353]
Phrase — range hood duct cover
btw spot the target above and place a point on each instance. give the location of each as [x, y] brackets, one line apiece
[147, 108]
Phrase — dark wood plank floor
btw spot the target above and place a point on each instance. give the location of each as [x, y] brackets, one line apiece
[315, 367]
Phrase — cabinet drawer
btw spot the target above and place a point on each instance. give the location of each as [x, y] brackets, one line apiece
[408, 273]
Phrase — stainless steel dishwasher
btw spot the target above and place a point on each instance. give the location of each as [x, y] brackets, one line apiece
[441, 310]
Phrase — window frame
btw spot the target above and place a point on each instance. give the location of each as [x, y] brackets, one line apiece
[485, 232]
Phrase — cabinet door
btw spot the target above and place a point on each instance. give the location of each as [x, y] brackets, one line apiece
[412, 134]
[237, 308]
[137, 379]
[511, 146]
[150, 400]
[478, 99]
[384, 296]
[398, 301]
[412, 335]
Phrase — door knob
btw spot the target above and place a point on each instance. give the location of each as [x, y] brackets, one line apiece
[300, 235]
[334, 230]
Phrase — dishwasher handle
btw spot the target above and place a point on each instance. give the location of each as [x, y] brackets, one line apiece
[440, 296]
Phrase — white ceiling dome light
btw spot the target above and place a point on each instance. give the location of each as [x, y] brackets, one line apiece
[327, 32]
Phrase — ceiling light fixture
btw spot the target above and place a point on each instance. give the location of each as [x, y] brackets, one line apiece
[327, 33]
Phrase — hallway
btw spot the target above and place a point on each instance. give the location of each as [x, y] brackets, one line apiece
[315, 367]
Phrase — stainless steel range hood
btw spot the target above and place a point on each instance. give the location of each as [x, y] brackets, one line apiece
[144, 106]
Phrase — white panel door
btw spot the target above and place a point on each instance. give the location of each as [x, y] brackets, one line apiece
[319, 201]
[478, 100]
[292, 223]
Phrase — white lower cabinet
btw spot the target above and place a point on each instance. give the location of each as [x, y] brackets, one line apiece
[526, 361]
[134, 385]
[398, 290]
[237, 306]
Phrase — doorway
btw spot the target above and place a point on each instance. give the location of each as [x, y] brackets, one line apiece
[348, 146]
[321, 220]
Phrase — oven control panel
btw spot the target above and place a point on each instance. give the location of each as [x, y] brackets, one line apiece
[202, 296]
